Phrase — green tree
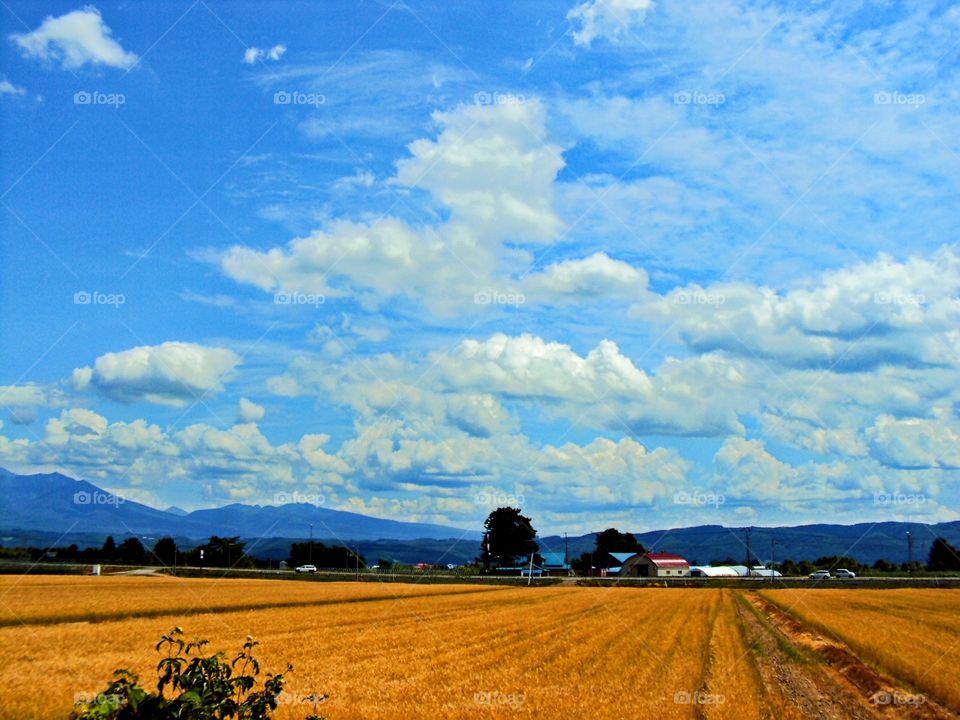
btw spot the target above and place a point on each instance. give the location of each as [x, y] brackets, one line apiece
[219, 551]
[509, 536]
[943, 556]
[336, 557]
[882, 565]
[108, 553]
[609, 541]
[165, 551]
[612, 540]
[132, 552]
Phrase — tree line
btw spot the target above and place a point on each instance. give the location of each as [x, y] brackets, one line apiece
[509, 541]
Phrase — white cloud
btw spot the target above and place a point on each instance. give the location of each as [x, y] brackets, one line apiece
[255, 54]
[883, 312]
[360, 179]
[492, 166]
[29, 395]
[171, 373]
[603, 388]
[610, 19]
[8, 88]
[75, 39]
[489, 167]
[598, 275]
[470, 386]
[250, 412]
[916, 443]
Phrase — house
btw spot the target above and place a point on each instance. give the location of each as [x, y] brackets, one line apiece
[620, 558]
[655, 564]
[555, 563]
[603, 564]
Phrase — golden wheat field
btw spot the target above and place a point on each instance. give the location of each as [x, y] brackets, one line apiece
[406, 650]
[913, 634]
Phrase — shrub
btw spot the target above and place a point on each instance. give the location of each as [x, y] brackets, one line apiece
[192, 686]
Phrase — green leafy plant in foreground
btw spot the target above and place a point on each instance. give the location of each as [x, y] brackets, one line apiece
[193, 686]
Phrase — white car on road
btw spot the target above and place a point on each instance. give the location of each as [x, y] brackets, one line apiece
[844, 573]
[306, 569]
[820, 575]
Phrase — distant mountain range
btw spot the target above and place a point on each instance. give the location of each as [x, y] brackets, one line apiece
[51, 508]
[56, 503]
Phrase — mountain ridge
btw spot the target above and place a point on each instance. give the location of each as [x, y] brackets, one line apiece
[48, 506]
[52, 501]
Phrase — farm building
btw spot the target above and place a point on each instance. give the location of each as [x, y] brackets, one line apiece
[711, 571]
[555, 563]
[655, 564]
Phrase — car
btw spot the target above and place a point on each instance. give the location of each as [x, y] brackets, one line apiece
[844, 573]
[306, 569]
[820, 575]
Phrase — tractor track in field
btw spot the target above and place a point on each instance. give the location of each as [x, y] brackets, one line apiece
[822, 676]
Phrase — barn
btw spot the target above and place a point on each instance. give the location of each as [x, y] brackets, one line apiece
[656, 564]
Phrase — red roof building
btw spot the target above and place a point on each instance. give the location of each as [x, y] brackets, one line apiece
[656, 564]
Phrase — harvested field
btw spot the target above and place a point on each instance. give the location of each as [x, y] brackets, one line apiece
[408, 651]
[913, 635]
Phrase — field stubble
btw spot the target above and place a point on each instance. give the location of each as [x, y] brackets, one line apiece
[403, 651]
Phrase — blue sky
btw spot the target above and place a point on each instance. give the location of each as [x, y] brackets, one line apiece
[623, 262]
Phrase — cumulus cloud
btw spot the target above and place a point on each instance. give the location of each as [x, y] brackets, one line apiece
[577, 280]
[916, 443]
[24, 401]
[884, 312]
[686, 397]
[75, 39]
[255, 54]
[609, 19]
[250, 412]
[471, 385]
[171, 373]
[489, 169]
[491, 165]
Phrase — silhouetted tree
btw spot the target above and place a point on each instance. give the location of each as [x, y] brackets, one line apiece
[612, 540]
[882, 565]
[165, 550]
[335, 557]
[108, 553]
[609, 541]
[509, 536]
[943, 556]
[132, 552]
[220, 552]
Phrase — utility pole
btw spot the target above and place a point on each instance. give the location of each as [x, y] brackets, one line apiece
[748, 532]
[909, 552]
[530, 576]
[566, 549]
[773, 564]
[358, 563]
[310, 556]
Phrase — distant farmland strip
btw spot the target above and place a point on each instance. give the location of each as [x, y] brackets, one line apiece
[40, 601]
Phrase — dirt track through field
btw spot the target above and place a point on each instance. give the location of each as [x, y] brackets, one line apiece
[834, 683]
